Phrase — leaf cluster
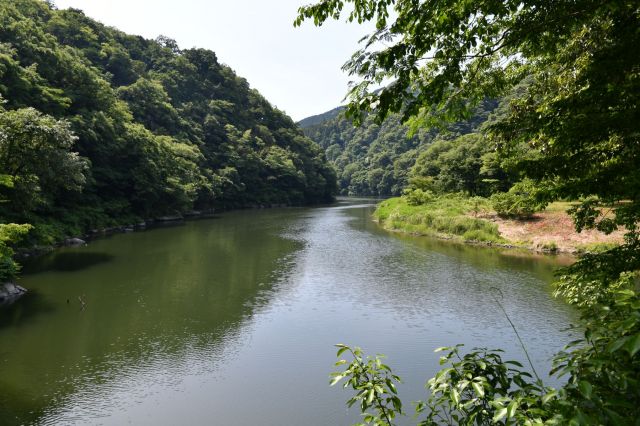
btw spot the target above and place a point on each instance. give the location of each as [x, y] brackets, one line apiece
[374, 384]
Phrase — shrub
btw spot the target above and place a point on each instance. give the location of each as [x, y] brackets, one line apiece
[417, 197]
[10, 234]
[521, 201]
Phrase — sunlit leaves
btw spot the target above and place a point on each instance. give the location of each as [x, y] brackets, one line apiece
[10, 234]
[373, 383]
[36, 153]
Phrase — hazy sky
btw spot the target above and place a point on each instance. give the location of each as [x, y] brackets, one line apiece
[296, 69]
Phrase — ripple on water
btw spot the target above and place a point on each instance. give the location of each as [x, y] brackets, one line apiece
[183, 323]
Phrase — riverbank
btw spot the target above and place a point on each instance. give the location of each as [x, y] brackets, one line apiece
[51, 237]
[473, 221]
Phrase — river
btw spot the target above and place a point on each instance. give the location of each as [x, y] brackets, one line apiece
[232, 320]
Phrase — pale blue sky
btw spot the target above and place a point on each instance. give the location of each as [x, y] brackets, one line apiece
[296, 69]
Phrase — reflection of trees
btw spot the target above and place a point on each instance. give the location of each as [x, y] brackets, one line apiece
[165, 295]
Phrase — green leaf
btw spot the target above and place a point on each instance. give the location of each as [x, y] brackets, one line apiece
[499, 415]
[455, 396]
[617, 344]
[511, 409]
[549, 396]
[370, 396]
[585, 388]
[478, 388]
[336, 380]
[633, 344]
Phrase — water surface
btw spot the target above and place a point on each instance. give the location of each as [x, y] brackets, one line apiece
[231, 321]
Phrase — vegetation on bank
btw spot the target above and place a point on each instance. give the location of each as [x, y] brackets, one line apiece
[442, 216]
[567, 77]
[375, 159]
[476, 220]
[99, 127]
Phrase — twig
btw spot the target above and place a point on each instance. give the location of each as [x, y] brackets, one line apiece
[524, 349]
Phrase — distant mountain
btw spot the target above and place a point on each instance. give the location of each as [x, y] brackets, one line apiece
[376, 159]
[320, 118]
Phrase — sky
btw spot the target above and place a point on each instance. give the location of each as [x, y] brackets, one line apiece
[296, 69]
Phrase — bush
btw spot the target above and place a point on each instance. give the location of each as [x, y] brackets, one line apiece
[10, 234]
[521, 201]
[418, 197]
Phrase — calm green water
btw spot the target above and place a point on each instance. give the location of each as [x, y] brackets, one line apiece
[231, 321]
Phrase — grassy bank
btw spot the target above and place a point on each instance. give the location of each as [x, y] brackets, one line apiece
[473, 220]
[449, 216]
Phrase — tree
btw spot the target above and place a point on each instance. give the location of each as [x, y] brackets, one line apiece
[36, 158]
[10, 234]
[460, 165]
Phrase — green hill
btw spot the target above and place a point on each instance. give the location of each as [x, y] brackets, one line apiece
[99, 126]
[376, 159]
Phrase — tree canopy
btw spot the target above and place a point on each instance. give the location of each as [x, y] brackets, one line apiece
[99, 127]
[375, 159]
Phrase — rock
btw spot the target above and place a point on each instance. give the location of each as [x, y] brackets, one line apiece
[74, 242]
[10, 292]
[128, 229]
[193, 213]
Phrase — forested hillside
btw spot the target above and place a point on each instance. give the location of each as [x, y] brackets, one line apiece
[376, 159]
[98, 127]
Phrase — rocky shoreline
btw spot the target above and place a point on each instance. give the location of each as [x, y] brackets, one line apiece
[10, 292]
[81, 240]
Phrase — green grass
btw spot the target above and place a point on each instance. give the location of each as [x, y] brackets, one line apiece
[447, 215]
[559, 206]
[595, 247]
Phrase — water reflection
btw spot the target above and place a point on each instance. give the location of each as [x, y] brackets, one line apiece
[183, 323]
[69, 260]
[27, 310]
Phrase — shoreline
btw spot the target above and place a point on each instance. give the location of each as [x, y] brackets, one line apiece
[550, 232]
[460, 240]
[23, 254]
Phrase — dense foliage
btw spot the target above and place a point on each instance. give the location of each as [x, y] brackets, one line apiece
[9, 234]
[101, 127]
[465, 164]
[375, 159]
[521, 201]
[571, 122]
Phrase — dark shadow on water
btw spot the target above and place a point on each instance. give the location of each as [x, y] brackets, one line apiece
[65, 262]
[24, 310]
